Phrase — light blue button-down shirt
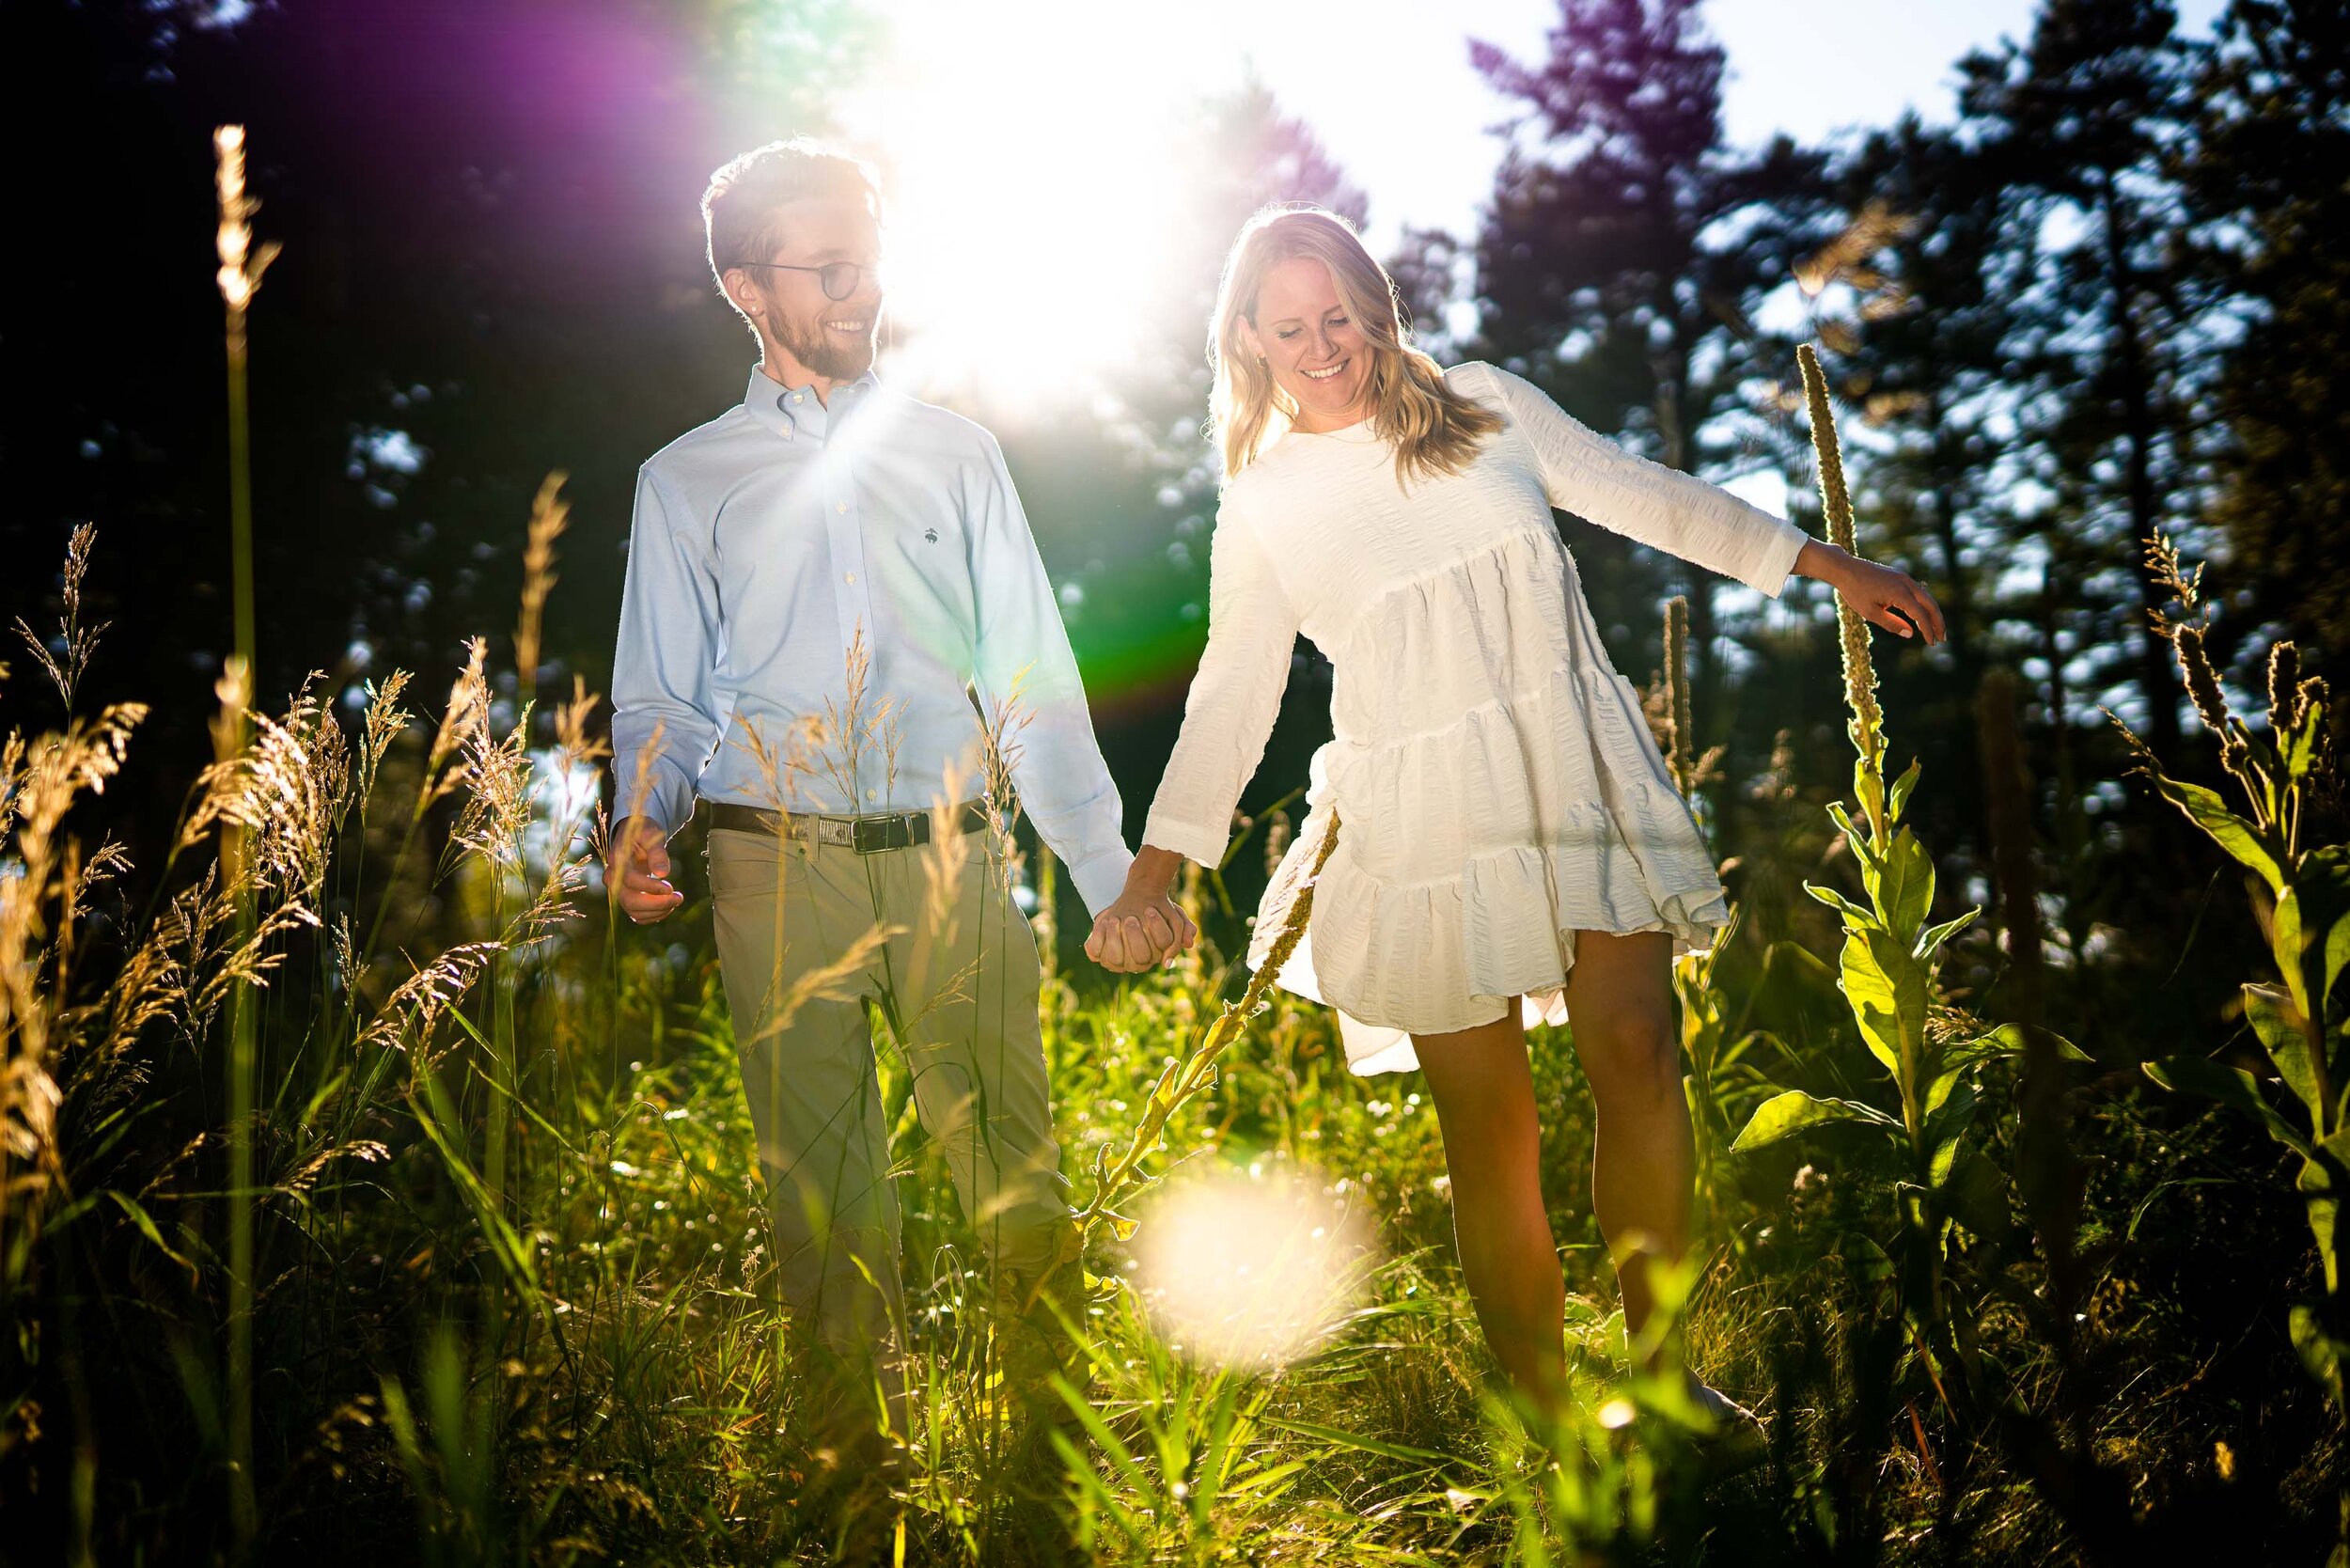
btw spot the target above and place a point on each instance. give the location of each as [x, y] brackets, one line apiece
[767, 543]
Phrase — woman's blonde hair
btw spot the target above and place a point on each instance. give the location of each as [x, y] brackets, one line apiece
[1435, 430]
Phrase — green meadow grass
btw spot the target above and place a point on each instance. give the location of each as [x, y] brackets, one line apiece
[370, 1194]
[586, 1362]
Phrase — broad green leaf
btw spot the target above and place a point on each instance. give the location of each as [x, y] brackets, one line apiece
[2230, 832]
[1792, 1110]
[2322, 1182]
[1939, 1090]
[1930, 940]
[2337, 952]
[1900, 796]
[1887, 990]
[2009, 1040]
[2278, 1026]
[2290, 946]
[1871, 1260]
[2231, 1086]
[1842, 905]
[2320, 1353]
[2298, 746]
[1867, 787]
[2321, 1199]
[1975, 1193]
[1856, 838]
[1945, 1129]
[1904, 889]
[2320, 886]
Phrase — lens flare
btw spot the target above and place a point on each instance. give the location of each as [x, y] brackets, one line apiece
[1250, 1271]
[1033, 153]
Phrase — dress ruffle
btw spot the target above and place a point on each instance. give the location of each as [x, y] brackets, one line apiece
[1556, 814]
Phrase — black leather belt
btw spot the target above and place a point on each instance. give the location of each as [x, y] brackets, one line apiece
[865, 835]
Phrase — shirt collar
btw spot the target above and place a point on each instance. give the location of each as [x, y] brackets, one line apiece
[792, 412]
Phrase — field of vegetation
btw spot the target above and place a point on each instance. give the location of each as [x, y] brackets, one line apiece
[366, 1190]
[369, 1192]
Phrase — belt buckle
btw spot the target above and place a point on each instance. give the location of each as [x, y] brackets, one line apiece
[872, 835]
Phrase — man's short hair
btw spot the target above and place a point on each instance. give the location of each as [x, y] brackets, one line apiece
[740, 207]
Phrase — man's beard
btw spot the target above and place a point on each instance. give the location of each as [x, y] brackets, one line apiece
[827, 353]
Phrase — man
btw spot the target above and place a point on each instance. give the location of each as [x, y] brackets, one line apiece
[818, 581]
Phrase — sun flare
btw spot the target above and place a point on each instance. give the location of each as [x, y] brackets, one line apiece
[1033, 154]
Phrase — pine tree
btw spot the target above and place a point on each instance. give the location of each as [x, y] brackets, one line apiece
[2274, 135]
[2088, 123]
[1603, 276]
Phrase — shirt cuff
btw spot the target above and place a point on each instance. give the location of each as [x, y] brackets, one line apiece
[1204, 845]
[1777, 563]
[668, 798]
[1101, 877]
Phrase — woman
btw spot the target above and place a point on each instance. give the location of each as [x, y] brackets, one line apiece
[1509, 842]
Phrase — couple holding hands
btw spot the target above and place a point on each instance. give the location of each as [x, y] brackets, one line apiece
[1513, 847]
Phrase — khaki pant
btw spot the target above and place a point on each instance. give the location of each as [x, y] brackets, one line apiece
[956, 981]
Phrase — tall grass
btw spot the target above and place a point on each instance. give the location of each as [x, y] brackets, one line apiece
[507, 1287]
[238, 279]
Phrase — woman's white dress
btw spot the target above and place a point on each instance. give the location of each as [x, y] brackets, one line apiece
[1496, 786]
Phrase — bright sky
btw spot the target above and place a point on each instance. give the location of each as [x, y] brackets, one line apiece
[1028, 134]
[1809, 67]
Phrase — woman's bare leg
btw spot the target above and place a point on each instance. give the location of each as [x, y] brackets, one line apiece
[1620, 997]
[1484, 1096]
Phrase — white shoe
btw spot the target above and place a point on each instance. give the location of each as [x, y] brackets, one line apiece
[1732, 1417]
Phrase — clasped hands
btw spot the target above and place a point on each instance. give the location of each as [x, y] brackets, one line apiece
[1144, 926]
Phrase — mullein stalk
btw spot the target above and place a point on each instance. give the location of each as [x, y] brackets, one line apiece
[242, 265]
[1860, 676]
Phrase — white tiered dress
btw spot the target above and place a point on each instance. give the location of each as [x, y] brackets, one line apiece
[1496, 784]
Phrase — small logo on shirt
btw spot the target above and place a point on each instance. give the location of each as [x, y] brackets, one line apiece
[930, 534]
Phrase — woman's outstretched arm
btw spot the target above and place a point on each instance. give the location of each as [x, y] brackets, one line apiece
[1683, 515]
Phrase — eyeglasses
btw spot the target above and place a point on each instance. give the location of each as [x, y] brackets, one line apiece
[837, 278]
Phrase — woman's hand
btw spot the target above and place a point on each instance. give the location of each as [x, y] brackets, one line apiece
[1884, 597]
[1144, 926]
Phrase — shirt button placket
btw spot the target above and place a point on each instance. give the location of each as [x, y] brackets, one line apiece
[853, 594]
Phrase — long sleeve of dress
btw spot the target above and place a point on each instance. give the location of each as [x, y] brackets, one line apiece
[1678, 513]
[1234, 698]
[665, 717]
[1023, 667]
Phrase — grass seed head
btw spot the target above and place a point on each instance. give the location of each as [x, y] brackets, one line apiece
[549, 515]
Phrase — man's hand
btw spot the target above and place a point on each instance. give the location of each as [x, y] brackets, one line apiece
[637, 870]
[1144, 926]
